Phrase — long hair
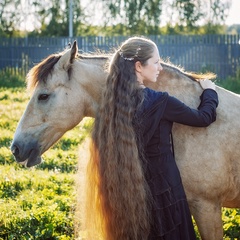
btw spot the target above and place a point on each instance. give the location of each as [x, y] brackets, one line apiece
[118, 198]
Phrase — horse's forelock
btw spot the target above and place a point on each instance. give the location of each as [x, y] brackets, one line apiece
[40, 72]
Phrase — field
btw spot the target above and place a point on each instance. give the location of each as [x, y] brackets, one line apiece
[40, 203]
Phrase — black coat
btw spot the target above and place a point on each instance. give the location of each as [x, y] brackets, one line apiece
[171, 215]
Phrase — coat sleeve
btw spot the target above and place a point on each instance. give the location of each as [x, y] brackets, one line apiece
[176, 111]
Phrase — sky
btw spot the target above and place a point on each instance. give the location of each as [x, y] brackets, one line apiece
[234, 14]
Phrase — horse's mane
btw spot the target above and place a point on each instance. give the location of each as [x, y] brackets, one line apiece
[95, 56]
[41, 71]
[192, 75]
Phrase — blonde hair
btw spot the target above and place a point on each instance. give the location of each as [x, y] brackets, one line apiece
[118, 198]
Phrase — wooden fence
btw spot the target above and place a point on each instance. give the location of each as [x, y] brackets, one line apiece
[200, 53]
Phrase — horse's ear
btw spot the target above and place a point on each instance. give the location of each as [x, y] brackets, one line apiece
[68, 57]
[69, 45]
[74, 50]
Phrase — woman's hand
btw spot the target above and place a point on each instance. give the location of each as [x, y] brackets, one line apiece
[206, 83]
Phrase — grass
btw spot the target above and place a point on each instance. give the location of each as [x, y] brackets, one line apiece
[231, 83]
[36, 204]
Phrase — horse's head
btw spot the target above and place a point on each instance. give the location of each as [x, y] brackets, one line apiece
[59, 101]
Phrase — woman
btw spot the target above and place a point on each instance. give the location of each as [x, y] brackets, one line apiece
[134, 186]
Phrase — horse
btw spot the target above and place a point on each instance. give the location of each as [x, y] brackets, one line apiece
[67, 86]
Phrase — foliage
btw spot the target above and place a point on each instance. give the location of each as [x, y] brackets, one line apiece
[233, 29]
[180, 16]
[35, 208]
[48, 18]
[136, 15]
[51, 18]
[58, 15]
[189, 13]
[10, 77]
[232, 83]
[9, 17]
[231, 226]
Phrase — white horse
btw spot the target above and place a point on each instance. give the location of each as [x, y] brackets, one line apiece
[67, 88]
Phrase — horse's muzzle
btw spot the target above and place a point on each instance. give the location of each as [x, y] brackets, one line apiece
[26, 154]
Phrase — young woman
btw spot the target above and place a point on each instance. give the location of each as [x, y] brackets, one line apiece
[134, 186]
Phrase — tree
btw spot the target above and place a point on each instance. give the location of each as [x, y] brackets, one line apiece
[55, 18]
[217, 15]
[219, 11]
[179, 16]
[9, 17]
[189, 13]
[122, 17]
[138, 16]
[34, 17]
[193, 14]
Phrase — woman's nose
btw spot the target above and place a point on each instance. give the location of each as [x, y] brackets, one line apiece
[160, 68]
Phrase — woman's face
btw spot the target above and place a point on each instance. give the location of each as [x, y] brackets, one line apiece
[150, 71]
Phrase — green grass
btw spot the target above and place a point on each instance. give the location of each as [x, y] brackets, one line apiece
[232, 83]
[12, 77]
[40, 203]
[36, 204]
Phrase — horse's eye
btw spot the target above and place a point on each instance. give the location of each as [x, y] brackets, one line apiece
[43, 97]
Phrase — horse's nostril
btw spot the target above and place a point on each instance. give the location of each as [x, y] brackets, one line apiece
[15, 150]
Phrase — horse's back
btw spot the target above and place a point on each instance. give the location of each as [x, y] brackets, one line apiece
[209, 156]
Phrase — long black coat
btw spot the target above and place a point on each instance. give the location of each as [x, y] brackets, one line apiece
[171, 215]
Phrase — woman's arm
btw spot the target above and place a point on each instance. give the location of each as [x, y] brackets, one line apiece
[176, 111]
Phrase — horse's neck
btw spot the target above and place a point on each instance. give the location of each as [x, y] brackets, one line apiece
[92, 79]
[177, 84]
